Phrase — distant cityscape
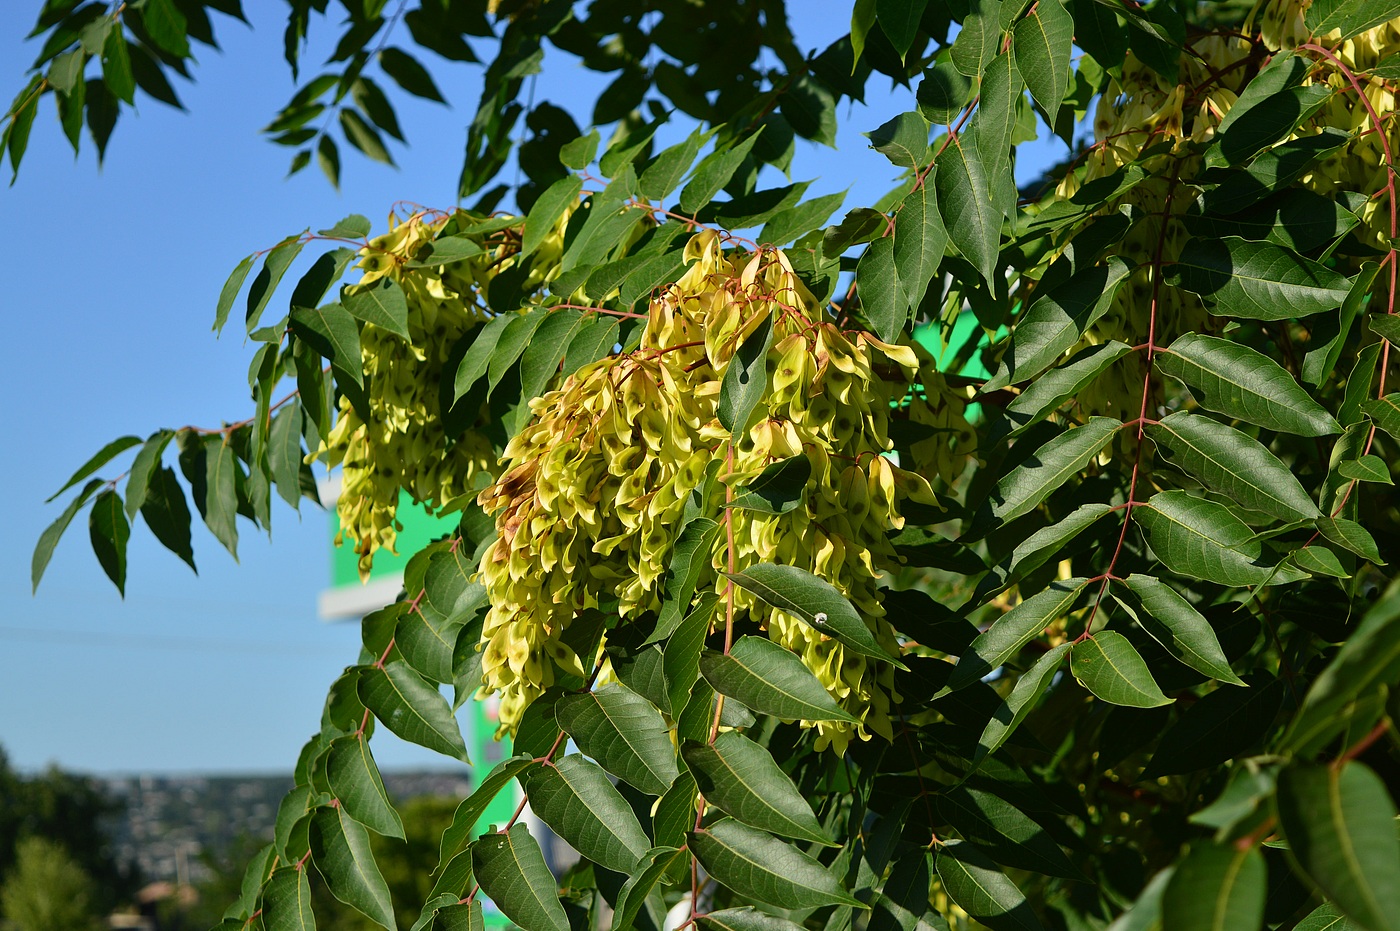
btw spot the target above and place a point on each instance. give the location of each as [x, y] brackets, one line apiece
[170, 822]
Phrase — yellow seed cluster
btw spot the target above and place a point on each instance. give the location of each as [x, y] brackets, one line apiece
[589, 506]
[1142, 110]
[403, 445]
[1360, 165]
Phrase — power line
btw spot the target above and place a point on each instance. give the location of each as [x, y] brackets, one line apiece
[93, 638]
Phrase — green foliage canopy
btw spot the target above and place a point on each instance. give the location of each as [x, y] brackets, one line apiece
[1116, 647]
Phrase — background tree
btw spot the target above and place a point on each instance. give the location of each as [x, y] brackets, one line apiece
[69, 811]
[48, 891]
[1145, 675]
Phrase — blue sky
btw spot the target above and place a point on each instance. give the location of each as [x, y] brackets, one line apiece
[111, 284]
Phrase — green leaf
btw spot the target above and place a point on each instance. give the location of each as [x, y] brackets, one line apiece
[1284, 71]
[1369, 657]
[1051, 467]
[611, 217]
[427, 638]
[982, 890]
[771, 680]
[103, 456]
[747, 918]
[664, 174]
[1049, 391]
[579, 153]
[363, 136]
[713, 173]
[409, 74]
[1145, 913]
[1013, 630]
[944, 92]
[512, 872]
[167, 514]
[903, 140]
[1340, 826]
[742, 779]
[108, 530]
[1230, 462]
[354, 779]
[689, 559]
[268, 278]
[221, 491]
[815, 602]
[469, 811]
[1257, 280]
[920, 241]
[370, 98]
[328, 157]
[1038, 548]
[381, 303]
[1319, 560]
[145, 464]
[862, 21]
[1216, 887]
[412, 708]
[541, 358]
[284, 455]
[758, 866]
[1023, 698]
[166, 26]
[286, 901]
[1222, 725]
[516, 336]
[232, 286]
[355, 226]
[778, 489]
[971, 218]
[1385, 413]
[902, 903]
[811, 109]
[478, 356]
[681, 661]
[116, 65]
[446, 251]
[860, 225]
[1350, 535]
[877, 280]
[1296, 218]
[66, 71]
[1005, 833]
[593, 341]
[640, 885]
[1176, 625]
[1112, 669]
[464, 916]
[624, 733]
[1239, 382]
[1352, 17]
[1326, 917]
[745, 379]
[1205, 540]
[1057, 319]
[1041, 42]
[332, 332]
[576, 799]
[977, 43]
[994, 126]
[643, 672]
[794, 222]
[899, 20]
[547, 210]
[340, 846]
[1264, 122]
